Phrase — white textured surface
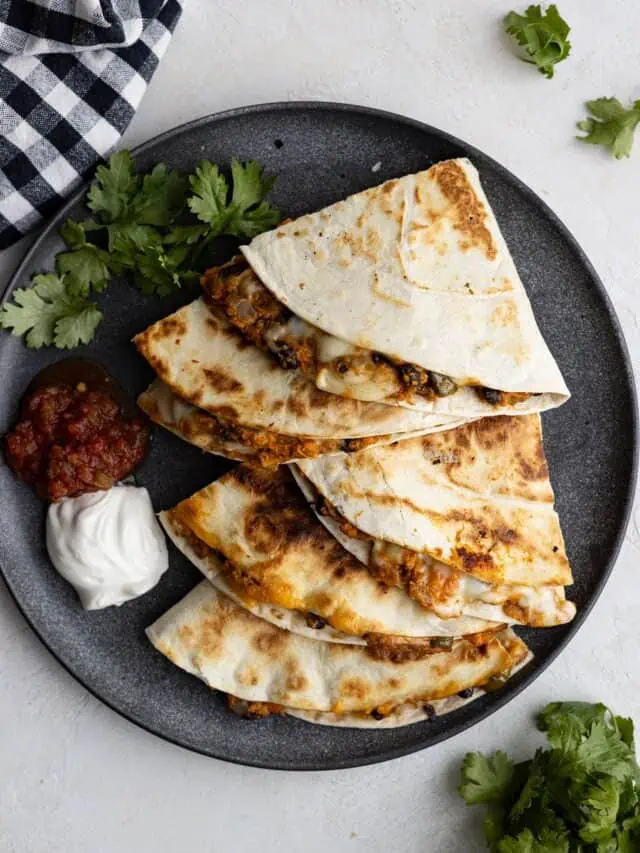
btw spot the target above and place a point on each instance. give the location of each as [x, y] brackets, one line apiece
[75, 777]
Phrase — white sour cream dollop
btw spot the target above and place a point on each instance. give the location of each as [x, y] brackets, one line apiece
[109, 545]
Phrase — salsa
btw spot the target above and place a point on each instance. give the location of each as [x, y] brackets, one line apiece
[71, 439]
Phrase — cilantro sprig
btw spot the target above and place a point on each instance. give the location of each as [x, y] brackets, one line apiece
[542, 35]
[611, 125]
[50, 313]
[581, 795]
[151, 227]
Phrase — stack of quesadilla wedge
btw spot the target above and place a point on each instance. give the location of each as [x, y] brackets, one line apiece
[397, 312]
[275, 569]
[218, 391]
[386, 348]
[465, 512]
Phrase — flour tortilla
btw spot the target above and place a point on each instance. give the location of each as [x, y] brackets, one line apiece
[416, 269]
[231, 650]
[244, 444]
[198, 355]
[277, 553]
[477, 498]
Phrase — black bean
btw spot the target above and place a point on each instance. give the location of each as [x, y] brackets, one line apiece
[314, 621]
[467, 693]
[491, 395]
[377, 715]
[285, 355]
[429, 710]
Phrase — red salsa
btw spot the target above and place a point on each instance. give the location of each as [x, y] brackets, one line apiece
[71, 440]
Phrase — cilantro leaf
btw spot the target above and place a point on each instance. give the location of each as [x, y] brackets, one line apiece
[73, 234]
[532, 788]
[525, 842]
[78, 327]
[126, 239]
[85, 266]
[605, 753]
[48, 314]
[161, 197]
[611, 125]
[494, 827]
[159, 271]
[486, 780]
[188, 234]
[251, 213]
[209, 196]
[566, 723]
[86, 269]
[600, 804]
[522, 843]
[542, 35]
[114, 187]
[246, 213]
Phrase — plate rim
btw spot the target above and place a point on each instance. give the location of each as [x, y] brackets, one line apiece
[580, 619]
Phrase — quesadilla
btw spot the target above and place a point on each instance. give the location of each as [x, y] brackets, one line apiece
[405, 293]
[226, 396]
[446, 591]
[477, 498]
[231, 650]
[253, 530]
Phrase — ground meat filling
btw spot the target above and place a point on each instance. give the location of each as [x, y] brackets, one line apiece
[409, 572]
[268, 324]
[384, 647]
[323, 507]
[271, 448]
[253, 710]
[70, 441]
[249, 305]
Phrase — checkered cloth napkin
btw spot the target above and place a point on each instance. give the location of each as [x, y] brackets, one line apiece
[72, 73]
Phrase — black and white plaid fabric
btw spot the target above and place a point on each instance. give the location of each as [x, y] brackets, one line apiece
[72, 73]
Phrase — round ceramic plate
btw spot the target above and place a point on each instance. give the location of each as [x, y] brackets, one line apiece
[321, 153]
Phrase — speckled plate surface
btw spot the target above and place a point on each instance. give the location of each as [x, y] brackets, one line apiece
[322, 152]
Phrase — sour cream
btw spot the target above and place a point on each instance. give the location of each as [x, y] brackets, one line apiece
[108, 545]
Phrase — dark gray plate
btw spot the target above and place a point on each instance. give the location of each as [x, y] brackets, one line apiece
[321, 152]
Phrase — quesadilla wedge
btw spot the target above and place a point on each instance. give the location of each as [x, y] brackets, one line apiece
[253, 529]
[477, 498]
[205, 362]
[212, 565]
[446, 591]
[405, 293]
[231, 650]
[261, 447]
